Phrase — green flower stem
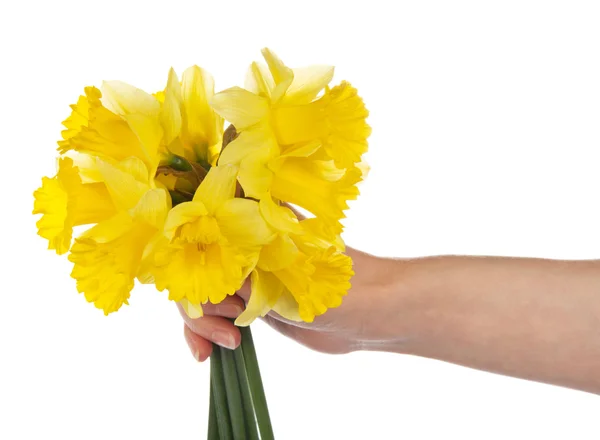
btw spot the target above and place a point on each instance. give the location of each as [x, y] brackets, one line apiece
[256, 386]
[220, 395]
[247, 402]
[213, 425]
[234, 399]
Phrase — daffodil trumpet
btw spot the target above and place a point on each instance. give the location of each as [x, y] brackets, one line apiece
[165, 196]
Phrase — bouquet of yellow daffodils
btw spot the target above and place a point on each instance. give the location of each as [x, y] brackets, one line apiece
[176, 200]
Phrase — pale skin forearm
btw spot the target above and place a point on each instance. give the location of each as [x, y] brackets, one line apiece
[528, 318]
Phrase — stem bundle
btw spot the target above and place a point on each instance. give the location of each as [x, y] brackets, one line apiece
[238, 407]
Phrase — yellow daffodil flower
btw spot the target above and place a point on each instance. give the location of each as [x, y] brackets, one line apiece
[212, 243]
[64, 202]
[108, 257]
[294, 146]
[301, 273]
[191, 127]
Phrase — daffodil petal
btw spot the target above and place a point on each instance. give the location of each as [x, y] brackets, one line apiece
[107, 135]
[317, 235]
[259, 80]
[170, 116]
[247, 143]
[200, 274]
[91, 203]
[282, 75]
[287, 306]
[153, 207]
[149, 132]
[183, 213]
[79, 118]
[241, 223]
[202, 128]
[255, 175]
[105, 269]
[110, 229]
[297, 182]
[240, 107]
[307, 83]
[266, 290]
[124, 188]
[279, 217]
[217, 187]
[279, 254]
[193, 311]
[124, 99]
[86, 164]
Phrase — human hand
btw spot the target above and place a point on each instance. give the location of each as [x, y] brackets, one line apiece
[356, 325]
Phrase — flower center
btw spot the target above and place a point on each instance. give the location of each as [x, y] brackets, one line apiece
[204, 230]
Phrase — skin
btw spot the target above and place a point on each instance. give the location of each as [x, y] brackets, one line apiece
[529, 318]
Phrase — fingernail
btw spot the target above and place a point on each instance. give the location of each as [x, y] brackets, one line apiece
[229, 310]
[193, 349]
[223, 339]
[196, 354]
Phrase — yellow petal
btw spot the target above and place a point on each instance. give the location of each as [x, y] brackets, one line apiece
[347, 115]
[302, 149]
[254, 174]
[149, 132]
[153, 207]
[316, 234]
[80, 116]
[337, 120]
[282, 75]
[108, 135]
[247, 143]
[330, 282]
[105, 270]
[194, 311]
[110, 229]
[307, 83]
[266, 290]
[259, 80]
[287, 306]
[65, 202]
[186, 212]
[124, 99]
[86, 164]
[145, 274]
[296, 277]
[217, 187]
[279, 254]
[240, 222]
[125, 190]
[134, 167]
[199, 273]
[201, 126]
[91, 203]
[170, 115]
[51, 200]
[296, 182]
[279, 217]
[240, 107]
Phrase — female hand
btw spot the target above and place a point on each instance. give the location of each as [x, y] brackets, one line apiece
[355, 325]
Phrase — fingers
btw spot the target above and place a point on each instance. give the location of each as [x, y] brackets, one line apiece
[215, 329]
[230, 307]
[201, 348]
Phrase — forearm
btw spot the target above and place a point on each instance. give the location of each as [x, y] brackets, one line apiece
[534, 319]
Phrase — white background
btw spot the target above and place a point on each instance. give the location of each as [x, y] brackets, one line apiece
[486, 131]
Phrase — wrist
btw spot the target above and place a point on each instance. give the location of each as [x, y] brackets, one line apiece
[391, 304]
